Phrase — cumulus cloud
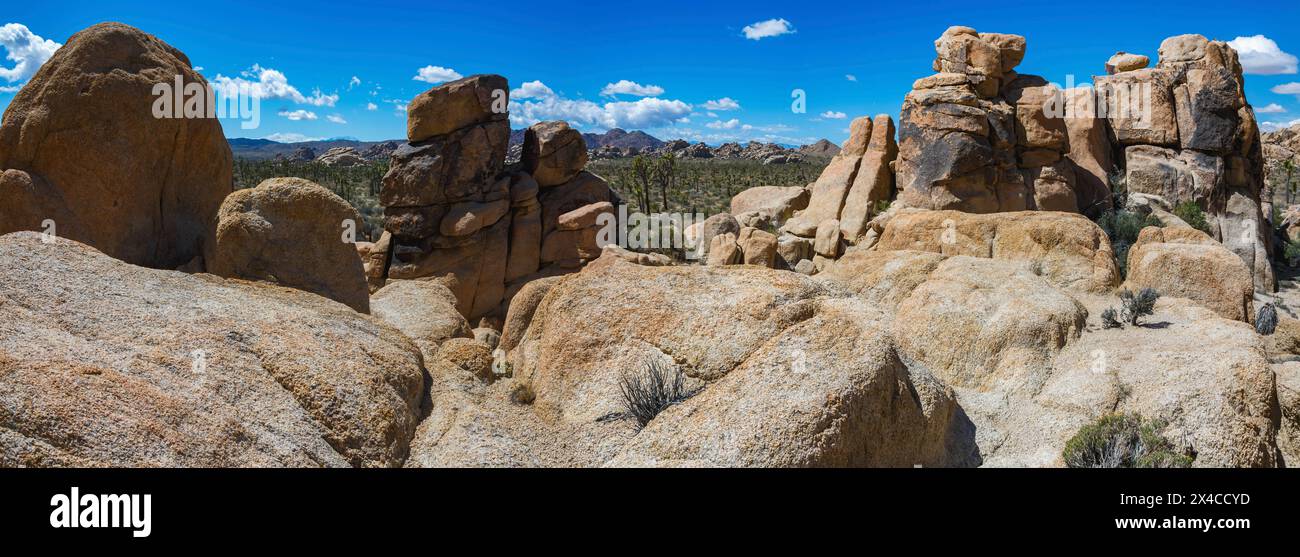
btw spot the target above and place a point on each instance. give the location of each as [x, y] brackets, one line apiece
[833, 115]
[336, 118]
[355, 81]
[290, 138]
[1271, 108]
[26, 50]
[1292, 88]
[646, 113]
[436, 74]
[372, 106]
[725, 103]
[1274, 126]
[1260, 55]
[532, 90]
[724, 125]
[850, 77]
[625, 87]
[268, 83]
[297, 115]
[769, 28]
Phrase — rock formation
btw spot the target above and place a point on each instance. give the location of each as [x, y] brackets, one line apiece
[341, 156]
[454, 212]
[855, 186]
[292, 232]
[1194, 138]
[108, 364]
[82, 149]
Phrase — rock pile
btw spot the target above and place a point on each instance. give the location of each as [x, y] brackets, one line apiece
[341, 156]
[854, 188]
[975, 137]
[454, 212]
[1197, 141]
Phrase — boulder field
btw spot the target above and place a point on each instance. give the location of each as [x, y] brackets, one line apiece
[934, 299]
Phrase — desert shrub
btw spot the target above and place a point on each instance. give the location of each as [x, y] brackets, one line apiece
[1123, 227]
[1192, 214]
[1110, 319]
[652, 389]
[1123, 441]
[1291, 252]
[1133, 306]
[1266, 319]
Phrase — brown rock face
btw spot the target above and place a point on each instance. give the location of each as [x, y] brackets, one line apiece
[456, 105]
[1069, 250]
[1190, 136]
[209, 372]
[1186, 263]
[854, 182]
[100, 165]
[553, 153]
[778, 357]
[292, 232]
[424, 311]
[458, 215]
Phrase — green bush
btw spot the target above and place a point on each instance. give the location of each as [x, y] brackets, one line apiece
[1122, 227]
[1291, 252]
[1123, 441]
[1192, 214]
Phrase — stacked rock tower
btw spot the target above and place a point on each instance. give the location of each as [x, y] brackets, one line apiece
[456, 213]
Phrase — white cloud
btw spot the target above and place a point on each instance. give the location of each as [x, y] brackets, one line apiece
[355, 81]
[1292, 88]
[1260, 56]
[436, 74]
[1272, 108]
[336, 118]
[297, 115]
[291, 138]
[26, 49]
[198, 68]
[10, 88]
[721, 125]
[725, 103]
[372, 106]
[532, 90]
[832, 115]
[625, 87]
[646, 113]
[1274, 126]
[769, 28]
[850, 77]
[272, 84]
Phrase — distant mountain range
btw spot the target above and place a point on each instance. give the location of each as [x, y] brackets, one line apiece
[614, 143]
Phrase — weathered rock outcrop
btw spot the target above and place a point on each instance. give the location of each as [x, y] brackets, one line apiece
[1189, 135]
[1187, 263]
[792, 374]
[108, 364]
[854, 185]
[1067, 249]
[457, 214]
[341, 156]
[1029, 375]
[86, 152]
[292, 232]
[981, 138]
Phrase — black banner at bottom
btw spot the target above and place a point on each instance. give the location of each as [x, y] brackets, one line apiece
[161, 509]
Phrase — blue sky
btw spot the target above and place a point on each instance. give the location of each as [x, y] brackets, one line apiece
[677, 56]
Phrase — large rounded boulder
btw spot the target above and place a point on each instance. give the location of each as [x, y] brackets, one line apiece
[102, 168]
[292, 232]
